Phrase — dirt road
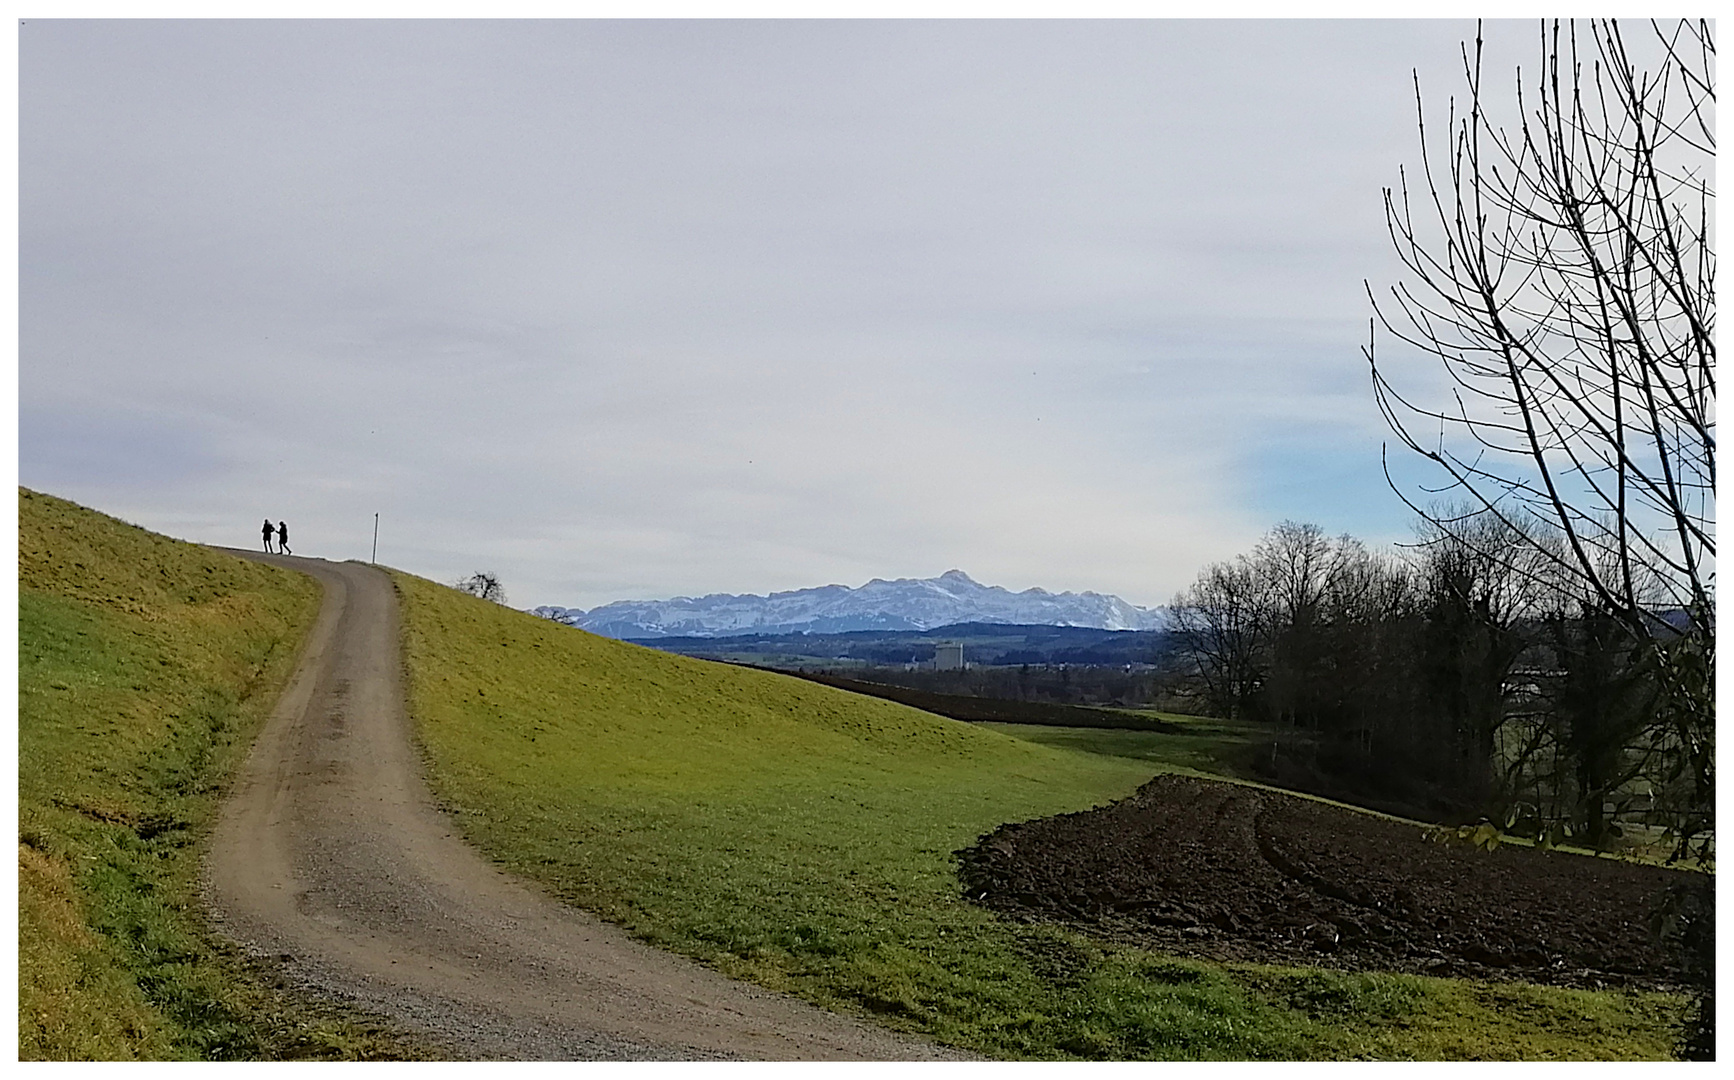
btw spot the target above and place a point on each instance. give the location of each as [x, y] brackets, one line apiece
[331, 855]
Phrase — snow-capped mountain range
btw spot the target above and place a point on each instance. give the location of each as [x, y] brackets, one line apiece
[904, 604]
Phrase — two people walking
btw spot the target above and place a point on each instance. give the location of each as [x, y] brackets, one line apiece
[279, 532]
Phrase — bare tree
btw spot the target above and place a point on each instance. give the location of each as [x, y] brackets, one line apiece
[1561, 272]
[1220, 620]
[1295, 560]
[1484, 588]
[484, 584]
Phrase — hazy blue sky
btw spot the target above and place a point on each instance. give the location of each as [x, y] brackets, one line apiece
[642, 309]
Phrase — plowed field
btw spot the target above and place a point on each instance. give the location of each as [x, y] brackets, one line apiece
[1228, 872]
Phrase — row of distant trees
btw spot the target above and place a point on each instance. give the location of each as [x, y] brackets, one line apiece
[1466, 673]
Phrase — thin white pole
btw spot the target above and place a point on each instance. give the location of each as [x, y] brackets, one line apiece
[375, 559]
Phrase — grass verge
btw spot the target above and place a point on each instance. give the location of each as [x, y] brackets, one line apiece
[1195, 743]
[801, 837]
[145, 667]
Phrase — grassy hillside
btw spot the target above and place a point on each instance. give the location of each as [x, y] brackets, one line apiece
[1192, 743]
[145, 666]
[801, 837]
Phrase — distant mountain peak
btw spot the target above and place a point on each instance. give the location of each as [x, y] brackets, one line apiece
[904, 604]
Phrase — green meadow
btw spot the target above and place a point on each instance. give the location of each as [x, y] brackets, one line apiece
[1202, 744]
[145, 667]
[801, 837]
[778, 830]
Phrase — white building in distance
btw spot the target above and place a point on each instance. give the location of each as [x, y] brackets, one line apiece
[948, 657]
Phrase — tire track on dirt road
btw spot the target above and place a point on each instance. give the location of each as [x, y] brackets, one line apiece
[331, 855]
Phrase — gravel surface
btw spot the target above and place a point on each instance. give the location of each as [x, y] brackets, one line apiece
[1227, 871]
[331, 856]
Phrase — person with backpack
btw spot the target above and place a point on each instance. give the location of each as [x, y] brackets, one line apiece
[282, 536]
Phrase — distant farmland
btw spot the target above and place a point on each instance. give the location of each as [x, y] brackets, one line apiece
[989, 644]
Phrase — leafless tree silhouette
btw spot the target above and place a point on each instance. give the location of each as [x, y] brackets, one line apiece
[484, 584]
[1561, 274]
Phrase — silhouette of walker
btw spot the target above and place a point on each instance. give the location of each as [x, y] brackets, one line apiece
[268, 532]
[282, 536]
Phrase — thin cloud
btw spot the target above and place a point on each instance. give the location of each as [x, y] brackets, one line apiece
[654, 308]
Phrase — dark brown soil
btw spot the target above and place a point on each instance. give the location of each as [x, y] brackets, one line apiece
[1228, 872]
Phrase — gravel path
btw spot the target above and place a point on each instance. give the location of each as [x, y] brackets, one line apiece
[331, 855]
